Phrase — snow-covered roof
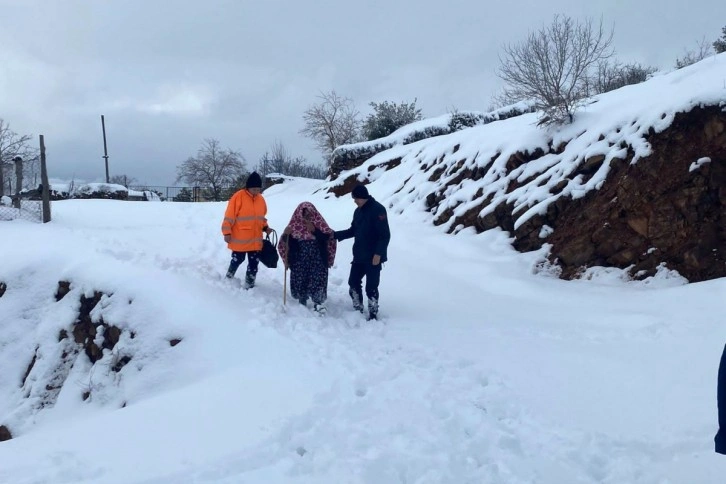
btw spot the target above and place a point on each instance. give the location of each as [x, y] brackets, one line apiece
[101, 187]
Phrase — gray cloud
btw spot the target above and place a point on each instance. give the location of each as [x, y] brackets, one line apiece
[168, 74]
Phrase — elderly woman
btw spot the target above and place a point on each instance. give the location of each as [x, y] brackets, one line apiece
[306, 248]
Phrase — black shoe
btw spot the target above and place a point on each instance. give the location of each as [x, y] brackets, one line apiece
[302, 301]
[320, 309]
[357, 300]
[372, 308]
[249, 282]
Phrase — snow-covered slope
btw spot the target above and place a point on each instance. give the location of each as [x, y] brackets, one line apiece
[429, 127]
[610, 126]
[479, 372]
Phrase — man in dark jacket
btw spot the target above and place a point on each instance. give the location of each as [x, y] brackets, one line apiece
[720, 438]
[370, 248]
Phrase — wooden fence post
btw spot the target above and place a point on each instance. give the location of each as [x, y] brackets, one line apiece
[44, 181]
[2, 174]
[18, 180]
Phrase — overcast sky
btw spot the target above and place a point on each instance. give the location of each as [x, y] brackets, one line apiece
[168, 74]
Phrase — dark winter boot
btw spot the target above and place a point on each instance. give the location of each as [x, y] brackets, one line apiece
[249, 281]
[357, 299]
[320, 309]
[229, 275]
[372, 308]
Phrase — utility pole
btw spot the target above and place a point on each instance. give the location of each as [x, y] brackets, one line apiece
[264, 179]
[105, 148]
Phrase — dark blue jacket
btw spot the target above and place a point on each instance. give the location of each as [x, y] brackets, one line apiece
[370, 231]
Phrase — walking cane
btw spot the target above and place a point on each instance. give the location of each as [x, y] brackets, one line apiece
[284, 240]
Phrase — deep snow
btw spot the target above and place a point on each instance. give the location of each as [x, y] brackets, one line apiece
[480, 371]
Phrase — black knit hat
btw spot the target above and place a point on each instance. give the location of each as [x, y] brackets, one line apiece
[360, 191]
[253, 181]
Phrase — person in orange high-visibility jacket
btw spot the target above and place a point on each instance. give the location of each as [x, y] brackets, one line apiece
[242, 227]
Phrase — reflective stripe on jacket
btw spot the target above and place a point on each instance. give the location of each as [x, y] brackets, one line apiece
[244, 220]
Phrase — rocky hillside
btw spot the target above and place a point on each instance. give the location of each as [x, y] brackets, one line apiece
[637, 181]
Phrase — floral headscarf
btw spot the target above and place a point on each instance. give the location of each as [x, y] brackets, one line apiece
[300, 232]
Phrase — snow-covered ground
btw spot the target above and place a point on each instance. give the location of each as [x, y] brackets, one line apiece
[479, 372]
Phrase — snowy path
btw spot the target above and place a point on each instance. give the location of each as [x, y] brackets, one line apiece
[479, 371]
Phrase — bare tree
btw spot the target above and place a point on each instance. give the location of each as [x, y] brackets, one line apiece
[614, 75]
[213, 167]
[274, 160]
[553, 66]
[334, 121]
[12, 145]
[702, 50]
[279, 160]
[123, 180]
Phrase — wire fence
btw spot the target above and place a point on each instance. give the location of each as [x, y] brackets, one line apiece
[188, 194]
[30, 210]
[195, 194]
[203, 194]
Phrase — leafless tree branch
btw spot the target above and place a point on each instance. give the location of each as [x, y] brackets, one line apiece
[614, 75]
[334, 121]
[552, 66]
[213, 167]
[13, 145]
[700, 52]
[279, 160]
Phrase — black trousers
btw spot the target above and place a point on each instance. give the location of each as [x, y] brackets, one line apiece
[238, 258]
[309, 273]
[373, 278]
[720, 439]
